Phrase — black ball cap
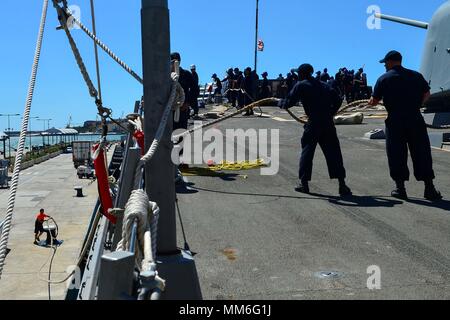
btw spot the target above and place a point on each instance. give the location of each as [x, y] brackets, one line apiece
[305, 68]
[175, 56]
[392, 56]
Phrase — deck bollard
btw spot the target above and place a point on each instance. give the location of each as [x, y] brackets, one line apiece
[79, 191]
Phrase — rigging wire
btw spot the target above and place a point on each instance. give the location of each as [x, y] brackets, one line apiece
[97, 63]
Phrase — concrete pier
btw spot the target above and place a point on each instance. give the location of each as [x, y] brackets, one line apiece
[49, 185]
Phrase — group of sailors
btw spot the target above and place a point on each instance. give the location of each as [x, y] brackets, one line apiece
[349, 84]
[242, 87]
[403, 92]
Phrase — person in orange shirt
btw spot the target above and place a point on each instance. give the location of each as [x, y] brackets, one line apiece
[39, 225]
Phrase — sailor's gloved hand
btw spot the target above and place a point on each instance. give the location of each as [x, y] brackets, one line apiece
[174, 76]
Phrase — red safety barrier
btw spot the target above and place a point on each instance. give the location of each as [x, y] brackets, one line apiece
[139, 136]
[103, 184]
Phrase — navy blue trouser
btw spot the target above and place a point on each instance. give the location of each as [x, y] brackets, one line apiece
[402, 134]
[325, 135]
[183, 123]
[194, 103]
[232, 98]
[240, 100]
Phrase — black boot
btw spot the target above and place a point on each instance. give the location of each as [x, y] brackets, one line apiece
[344, 190]
[302, 187]
[400, 191]
[430, 192]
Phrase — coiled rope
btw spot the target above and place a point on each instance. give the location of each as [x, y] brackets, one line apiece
[23, 133]
[146, 213]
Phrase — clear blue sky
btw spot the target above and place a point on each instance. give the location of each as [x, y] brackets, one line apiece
[214, 35]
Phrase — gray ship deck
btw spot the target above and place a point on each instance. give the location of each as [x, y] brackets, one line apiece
[257, 238]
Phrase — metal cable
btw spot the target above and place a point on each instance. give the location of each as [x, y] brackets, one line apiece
[186, 245]
[63, 20]
[102, 111]
[15, 178]
[97, 64]
[105, 48]
[119, 124]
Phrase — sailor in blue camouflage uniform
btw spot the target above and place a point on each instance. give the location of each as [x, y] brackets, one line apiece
[321, 103]
[404, 92]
